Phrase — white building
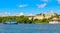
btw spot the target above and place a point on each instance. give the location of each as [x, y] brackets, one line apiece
[55, 21]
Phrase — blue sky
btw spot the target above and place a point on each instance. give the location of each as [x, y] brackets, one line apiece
[29, 6]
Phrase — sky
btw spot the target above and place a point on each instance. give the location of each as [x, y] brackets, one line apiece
[29, 7]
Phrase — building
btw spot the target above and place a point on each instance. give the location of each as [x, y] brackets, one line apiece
[41, 16]
[55, 21]
[38, 17]
[30, 17]
[47, 16]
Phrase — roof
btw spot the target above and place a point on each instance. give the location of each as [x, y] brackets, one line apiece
[56, 19]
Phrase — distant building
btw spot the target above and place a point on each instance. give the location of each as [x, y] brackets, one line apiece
[30, 17]
[55, 21]
[38, 17]
[47, 16]
[50, 14]
[41, 16]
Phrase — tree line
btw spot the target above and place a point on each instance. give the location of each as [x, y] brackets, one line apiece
[24, 19]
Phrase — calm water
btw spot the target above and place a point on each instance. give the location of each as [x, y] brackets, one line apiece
[30, 28]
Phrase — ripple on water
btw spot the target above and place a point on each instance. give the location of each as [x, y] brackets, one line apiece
[30, 28]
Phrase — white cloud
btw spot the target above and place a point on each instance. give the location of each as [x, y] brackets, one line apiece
[21, 13]
[44, 0]
[41, 5]
[58, 1]
[30, 14]
[22, 5]
[5, 14]
[15, 14]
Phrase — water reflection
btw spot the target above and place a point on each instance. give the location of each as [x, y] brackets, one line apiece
[30, 28]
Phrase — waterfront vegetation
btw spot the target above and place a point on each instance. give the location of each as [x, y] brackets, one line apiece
[25, 19]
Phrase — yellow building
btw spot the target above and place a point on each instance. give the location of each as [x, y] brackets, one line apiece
[44, 16]
[38, 17]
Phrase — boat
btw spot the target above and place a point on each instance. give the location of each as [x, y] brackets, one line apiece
[10, 22]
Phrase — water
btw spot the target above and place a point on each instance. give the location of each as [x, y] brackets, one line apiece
[30, 28]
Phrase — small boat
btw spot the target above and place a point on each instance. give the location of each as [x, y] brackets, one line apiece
[10, 22]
